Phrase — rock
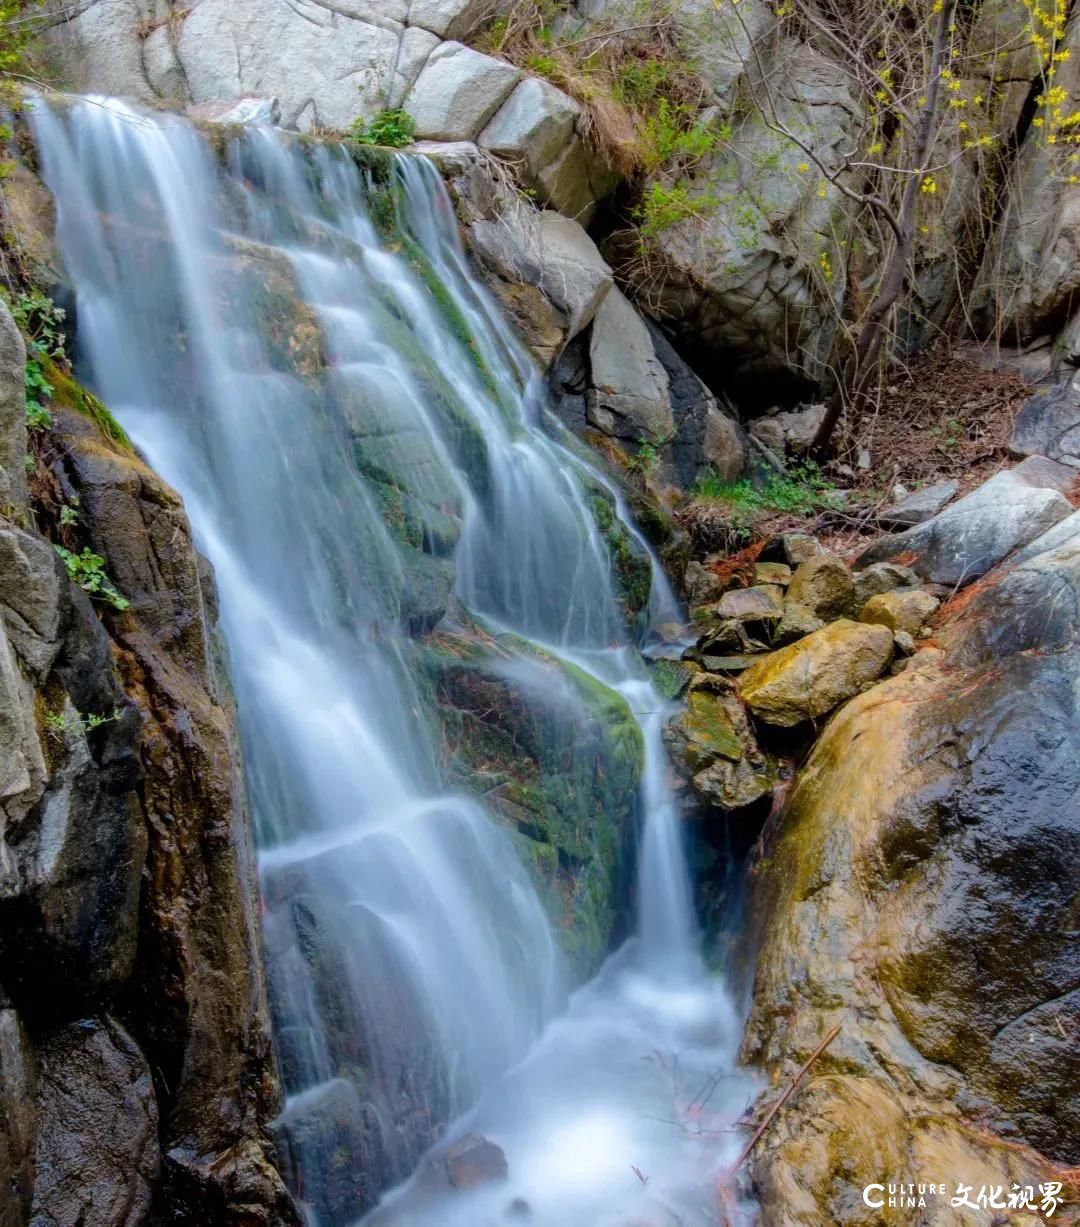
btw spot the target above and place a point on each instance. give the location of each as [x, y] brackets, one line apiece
[576, 180]
[723, 448]
[930, 847]
[532, 128]
[743, 277]
[164, 72]
[237, 111]
[806, 680]
[338, 67]
[457, 92]
[338, 1120]
[797, 622]
[752, 604]
[972, 535]
[414, 51]
[880, 577]
[800, 547]
[97, 1147]
[1030, 604]
[792, 432]
[629, 397]
[702, 585]
[562, 768]
[30, 599]
[97, 48]
[18, 1119]
[474, 1161]
[823, 585]
[198, 975]
[1063, 532]
[1030, 276]
[905, 645]
[920, 506]
[453, 18]
[711, 743]
[551, 252]
[900, 611]
[778, 573]
[1049, 424]
[708, 439]
[12, 412]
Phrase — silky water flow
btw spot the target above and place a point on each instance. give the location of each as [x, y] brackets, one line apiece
[273, 353]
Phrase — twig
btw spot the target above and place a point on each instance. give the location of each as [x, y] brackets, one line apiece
[592, 38]
[792, 1085]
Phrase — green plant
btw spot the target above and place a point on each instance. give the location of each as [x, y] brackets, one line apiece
[392, 129]
[69, 516]
[802, 490]
[60, 724]
[646, 460]
[41, 322]
[950, 434]
[672, 133]
[664, 206]
[19, 27]
[87, 569]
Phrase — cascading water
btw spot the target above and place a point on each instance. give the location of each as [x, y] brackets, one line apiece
[275, 355]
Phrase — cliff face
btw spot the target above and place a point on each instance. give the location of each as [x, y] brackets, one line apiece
[135, 1048]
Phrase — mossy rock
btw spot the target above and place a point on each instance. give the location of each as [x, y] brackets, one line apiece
[558, 756]
[630, 565]
[68, 393]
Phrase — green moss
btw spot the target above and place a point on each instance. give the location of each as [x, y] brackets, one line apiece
[671, 678]
[68, 393]
[558, 757]
[631, 567]
[450, 311]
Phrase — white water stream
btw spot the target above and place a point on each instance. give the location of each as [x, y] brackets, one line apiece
[199, 278]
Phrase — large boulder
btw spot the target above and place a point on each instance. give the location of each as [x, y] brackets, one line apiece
[974, 534]
[452, 18]
[807, 679]
[531, 131]
[97, 1147]
[629, 396]
[559, 756]
[551, 253]
[337, 68]
[1029, 282]
[929, 850]
[18, 1119]
[1049, 424]
[457, 92]
[757, 273]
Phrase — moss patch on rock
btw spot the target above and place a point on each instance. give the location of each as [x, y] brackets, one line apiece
[558, 756]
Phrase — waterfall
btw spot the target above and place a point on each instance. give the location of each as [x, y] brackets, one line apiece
[283, 331]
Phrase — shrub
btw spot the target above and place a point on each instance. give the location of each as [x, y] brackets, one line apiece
[392, 129]
[87, 569]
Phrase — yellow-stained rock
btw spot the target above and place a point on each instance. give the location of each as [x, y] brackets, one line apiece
[900, 611]
[807, 679]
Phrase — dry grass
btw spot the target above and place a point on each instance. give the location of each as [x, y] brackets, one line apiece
[618, 68]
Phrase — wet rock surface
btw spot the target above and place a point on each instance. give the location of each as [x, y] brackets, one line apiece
[807, 679]
[133, 1031]
[927, 854]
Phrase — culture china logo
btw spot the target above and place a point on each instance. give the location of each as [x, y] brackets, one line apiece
[1042, 1198]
